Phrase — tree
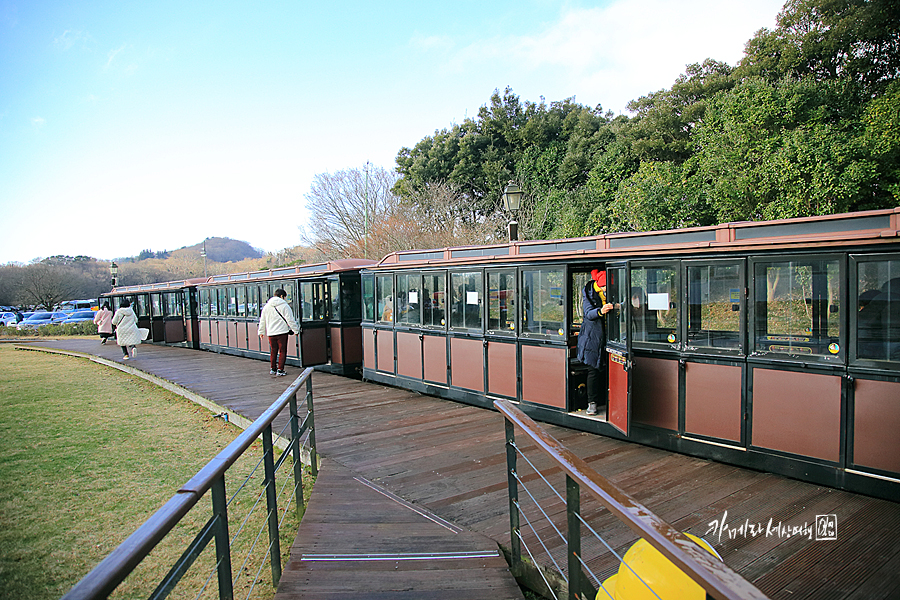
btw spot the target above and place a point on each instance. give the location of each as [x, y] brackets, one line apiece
[45, 285]
[789, 148]
[346, 207]
[829, 39]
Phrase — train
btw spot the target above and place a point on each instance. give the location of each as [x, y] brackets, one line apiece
[773, 345]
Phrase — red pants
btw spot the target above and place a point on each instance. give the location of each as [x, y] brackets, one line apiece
[278, 350]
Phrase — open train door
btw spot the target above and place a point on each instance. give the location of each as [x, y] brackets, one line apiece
[314, 311]
[618, 346]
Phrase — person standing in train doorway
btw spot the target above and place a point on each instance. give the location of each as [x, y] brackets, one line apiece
[592, 338]
[277, 322]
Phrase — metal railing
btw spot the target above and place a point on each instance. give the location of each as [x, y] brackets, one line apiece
[572, 574]
[113, 569]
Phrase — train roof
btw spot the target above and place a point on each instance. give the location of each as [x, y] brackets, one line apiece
[325, 268]
[157, 287]
[846, 229]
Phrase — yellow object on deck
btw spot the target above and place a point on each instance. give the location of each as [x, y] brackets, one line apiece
[650, 570]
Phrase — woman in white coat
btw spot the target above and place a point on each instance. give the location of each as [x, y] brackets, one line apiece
[127, 333]
[277, 322]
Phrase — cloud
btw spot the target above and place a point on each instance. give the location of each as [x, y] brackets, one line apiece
[626, 49]
[112, 55]
[38, 122]
[431, 42]
[69, 38]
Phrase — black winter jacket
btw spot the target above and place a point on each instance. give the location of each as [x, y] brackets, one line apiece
[592, 338]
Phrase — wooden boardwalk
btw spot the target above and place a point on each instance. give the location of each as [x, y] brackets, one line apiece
[448, 459]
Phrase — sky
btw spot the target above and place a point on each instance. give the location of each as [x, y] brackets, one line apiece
[128, 125]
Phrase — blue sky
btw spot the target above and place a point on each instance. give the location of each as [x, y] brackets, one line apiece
[132, 125]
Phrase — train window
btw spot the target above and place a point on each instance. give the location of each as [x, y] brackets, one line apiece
[334, 287]
[409, 299]
[368, 297]
[173, 304]
[467, 300]
[384, 298]
[350, 301]
[543, 302]
[579, 281]
[290, 289]
[241, 301]
[231, 299]
[878, 316]
[204, 303]
[434, 300]
[653, 302]
[252, 301]
[714, 301]
[798, 307]
[142, 303]
[156, 305]
[501, 317]
[617, 295]
[312, 300]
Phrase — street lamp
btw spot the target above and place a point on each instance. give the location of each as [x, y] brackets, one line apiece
[512, 199]
[114, 274]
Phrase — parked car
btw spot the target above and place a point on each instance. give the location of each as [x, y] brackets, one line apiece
[78, 316]
[41, 318]
[8, 318]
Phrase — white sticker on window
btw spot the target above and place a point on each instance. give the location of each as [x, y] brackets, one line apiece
[414, 297]
[471, 297]
[658, 301]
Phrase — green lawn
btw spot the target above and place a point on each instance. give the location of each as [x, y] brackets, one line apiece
[87, 454]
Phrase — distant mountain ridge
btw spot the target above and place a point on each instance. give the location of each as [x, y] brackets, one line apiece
[223, 249]
[218, 249]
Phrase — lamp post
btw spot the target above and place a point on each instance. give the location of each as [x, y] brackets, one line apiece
[114, 274]
[512, 199]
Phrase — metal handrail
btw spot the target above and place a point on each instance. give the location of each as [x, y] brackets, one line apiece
[714, 576]
[113, 569]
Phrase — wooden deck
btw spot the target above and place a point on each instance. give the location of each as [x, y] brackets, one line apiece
[448, 459]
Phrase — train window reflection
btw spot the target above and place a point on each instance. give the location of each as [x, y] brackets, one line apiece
[467, 294]
[434, 300]
[204, 303]
[878, 319]
[798, 307]
[653, 302]
[714, 295]
[409, 299]
[544, 307]
[368, 297]
[502, 302]
[384, 298]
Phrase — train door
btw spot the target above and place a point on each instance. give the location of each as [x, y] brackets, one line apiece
[618, 347]
[313, 322]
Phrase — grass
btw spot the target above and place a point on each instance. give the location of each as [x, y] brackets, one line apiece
[87, 454]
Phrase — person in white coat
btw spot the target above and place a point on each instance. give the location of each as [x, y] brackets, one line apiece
[277, 322]
[128, 335]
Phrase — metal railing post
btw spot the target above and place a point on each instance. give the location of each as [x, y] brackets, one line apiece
[223, 541]
[515, 542]
[573, 510]
[314, 461]
[295, 452]
[272, 503]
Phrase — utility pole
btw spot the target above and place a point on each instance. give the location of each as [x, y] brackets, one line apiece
[203, 254]
[367, 212]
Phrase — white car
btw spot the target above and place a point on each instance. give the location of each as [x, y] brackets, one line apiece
[8, 319]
